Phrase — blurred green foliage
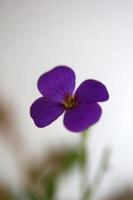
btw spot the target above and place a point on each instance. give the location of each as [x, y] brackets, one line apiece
[58, 163]
[42, 181]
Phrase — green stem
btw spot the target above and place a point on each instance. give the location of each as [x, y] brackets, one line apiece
[83, 162]
[102, 168]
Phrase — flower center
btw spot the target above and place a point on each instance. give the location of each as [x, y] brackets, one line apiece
[70, 102]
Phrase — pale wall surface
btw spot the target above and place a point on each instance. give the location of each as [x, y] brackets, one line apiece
[95, 38]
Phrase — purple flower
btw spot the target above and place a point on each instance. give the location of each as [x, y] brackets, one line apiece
[81, 107]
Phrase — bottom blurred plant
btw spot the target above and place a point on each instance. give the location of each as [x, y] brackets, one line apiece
[42, 181]
[124, 194]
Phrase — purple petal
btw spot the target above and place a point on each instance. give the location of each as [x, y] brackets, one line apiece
[57, 83]
[91, 91]
[44, 112]
[82, 117]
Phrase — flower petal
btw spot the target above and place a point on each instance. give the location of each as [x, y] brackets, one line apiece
[82, 117]
[44, 112]
[57, 83]
[91, 91]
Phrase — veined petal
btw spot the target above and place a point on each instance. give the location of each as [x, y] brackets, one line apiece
[57, 83]
[82, 117]
[44, 112]
[92, 91]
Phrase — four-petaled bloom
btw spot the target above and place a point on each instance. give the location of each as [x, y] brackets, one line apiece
[81, 107]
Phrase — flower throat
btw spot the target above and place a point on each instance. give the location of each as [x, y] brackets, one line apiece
[70, 102]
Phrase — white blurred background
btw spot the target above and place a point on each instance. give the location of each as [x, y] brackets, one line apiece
[95, 38]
